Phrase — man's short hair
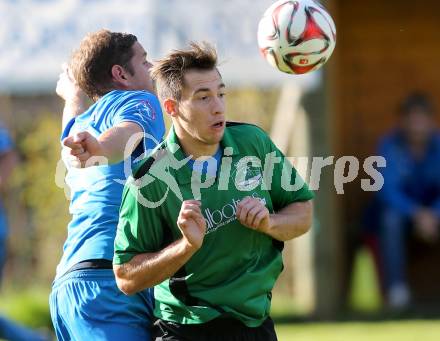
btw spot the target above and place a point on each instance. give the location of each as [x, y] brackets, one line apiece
[92, 62]
[416, 100]
[169, 71]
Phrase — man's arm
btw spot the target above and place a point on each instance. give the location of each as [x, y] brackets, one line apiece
[75, 100]
[290, 222]
[149, 269]
[114, 145]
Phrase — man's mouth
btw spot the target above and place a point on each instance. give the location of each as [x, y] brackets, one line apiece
[218, 124]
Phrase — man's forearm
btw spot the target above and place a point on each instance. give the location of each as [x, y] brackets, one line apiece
[149, 269]
[119, 142]
[292, 221]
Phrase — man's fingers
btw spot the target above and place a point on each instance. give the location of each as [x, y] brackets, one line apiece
[190, 214]
[70, 143]
[183, 221]
[259, 217]
[81, 137]
[67, 73]
[253, 211]
[191, 206]
[76, 151]
[76, 141]
[246, 210]
[191, 202]
[80, 160]
[240, 206]
[201, 221]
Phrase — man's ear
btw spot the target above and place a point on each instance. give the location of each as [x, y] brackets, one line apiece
[119, 74]
[170, 106]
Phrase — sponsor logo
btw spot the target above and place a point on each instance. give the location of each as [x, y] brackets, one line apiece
[145, 109]
[247, 173]
[216, 218]
[252, 182]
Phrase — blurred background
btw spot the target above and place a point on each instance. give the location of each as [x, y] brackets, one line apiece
[333, 286]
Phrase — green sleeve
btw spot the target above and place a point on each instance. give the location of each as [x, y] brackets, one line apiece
[285, 185]
[139, 228]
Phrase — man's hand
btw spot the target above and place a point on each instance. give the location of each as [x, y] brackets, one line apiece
[67, 87]
[146, 270]
[252, 213]
[191, 223]
[427, 225]
[81, 147]
[75, 100]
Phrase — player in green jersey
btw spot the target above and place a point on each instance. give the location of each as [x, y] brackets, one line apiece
[205, 217]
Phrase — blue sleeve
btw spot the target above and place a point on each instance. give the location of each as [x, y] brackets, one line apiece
[5, 140]
[392, 193]
[67, 128]
[143, 109]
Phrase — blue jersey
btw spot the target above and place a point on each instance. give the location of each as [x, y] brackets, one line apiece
[410, 183]
[96, 192]
[5, 146]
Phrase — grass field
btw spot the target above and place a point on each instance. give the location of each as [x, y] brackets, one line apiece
[30, 307]
[414, 330]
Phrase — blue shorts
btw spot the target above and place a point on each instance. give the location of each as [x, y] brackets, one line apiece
[87, 305]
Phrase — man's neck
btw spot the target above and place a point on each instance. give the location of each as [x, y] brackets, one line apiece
[196, 148]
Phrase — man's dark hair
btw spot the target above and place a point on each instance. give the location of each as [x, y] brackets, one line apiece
[416, 100]
[92, 62]
[169, 71]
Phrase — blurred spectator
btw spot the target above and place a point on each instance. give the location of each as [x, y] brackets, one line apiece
[409, 202]
[8, 159]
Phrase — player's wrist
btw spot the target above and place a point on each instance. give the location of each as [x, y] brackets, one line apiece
[271, 224]
[190, 247]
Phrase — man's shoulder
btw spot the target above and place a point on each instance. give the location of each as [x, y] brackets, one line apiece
[155, 156]
[243, 126]
[243, 132]
[119, 99]
[121, 95]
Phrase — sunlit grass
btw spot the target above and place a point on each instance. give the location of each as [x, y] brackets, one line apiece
[377, 331]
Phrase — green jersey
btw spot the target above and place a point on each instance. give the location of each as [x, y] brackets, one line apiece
[233, 273]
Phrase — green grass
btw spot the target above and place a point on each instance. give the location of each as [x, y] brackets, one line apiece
[378, 331]
[29, 306]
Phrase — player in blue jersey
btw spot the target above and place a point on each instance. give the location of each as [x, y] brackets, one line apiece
[100, 147]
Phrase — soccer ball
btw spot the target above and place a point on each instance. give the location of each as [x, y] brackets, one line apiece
[296, 36]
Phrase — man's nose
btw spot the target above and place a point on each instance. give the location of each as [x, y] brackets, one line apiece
[218, 106]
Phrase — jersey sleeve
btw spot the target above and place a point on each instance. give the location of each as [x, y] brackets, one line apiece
[143, 109]
[139, 228]
[285, 184]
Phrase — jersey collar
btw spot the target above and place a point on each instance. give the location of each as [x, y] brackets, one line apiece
[183, 175]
